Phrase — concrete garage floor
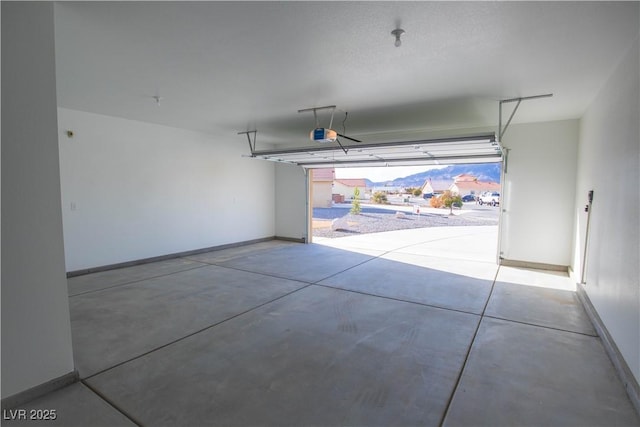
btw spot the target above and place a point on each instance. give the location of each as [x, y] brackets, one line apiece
[407, 328]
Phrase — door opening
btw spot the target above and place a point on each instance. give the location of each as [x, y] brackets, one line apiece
[355, 201]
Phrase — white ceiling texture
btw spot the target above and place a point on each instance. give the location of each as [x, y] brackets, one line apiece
[227, 67]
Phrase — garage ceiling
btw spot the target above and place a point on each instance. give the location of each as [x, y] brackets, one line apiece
[225, 67]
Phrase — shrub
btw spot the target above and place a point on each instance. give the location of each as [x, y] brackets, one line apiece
[380, 198]
[416, 192]
[436, 202]
[355, 205]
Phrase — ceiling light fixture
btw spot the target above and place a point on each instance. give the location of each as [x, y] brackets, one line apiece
[397, 33]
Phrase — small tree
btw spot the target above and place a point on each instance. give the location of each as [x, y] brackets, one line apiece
[416, 192]
[449, 200]
[380, 198]
[355, 205]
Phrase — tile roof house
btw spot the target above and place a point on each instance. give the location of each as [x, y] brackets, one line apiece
[352, 182]
[468, 184]
[464, 177]
[322, 187]
[325, 187]
[434, 187]
[326, 174]
[346, 187]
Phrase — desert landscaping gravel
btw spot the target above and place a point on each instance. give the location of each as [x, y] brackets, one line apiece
[373, 220]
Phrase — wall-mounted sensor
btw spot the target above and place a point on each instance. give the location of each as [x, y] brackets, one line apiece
[70, 133]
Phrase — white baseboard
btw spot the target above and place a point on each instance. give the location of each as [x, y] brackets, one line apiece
[165, 257]
[533, 265]
[624, 373]
[39, 390]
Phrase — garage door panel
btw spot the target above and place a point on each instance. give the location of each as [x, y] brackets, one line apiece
[467, 149]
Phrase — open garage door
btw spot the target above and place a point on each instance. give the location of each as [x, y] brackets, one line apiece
[468, 149]
[443, 151]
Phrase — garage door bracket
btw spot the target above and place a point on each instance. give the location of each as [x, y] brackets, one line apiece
[252, 145]
[502, 130]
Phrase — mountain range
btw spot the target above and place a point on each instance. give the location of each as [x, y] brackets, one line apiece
[488, 172]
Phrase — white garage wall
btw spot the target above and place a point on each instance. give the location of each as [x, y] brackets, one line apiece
[539, 193]
[291, 202]
[609, 160]
[36, 332]
[133, 190]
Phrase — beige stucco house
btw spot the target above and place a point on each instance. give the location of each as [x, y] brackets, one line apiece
[321, 188]
[346, 187]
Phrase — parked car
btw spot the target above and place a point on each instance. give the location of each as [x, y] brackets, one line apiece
[469, 198]
[490, 198]
[427, 195]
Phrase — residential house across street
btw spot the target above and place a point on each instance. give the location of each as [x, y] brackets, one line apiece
[468, 184]
[326, 189]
